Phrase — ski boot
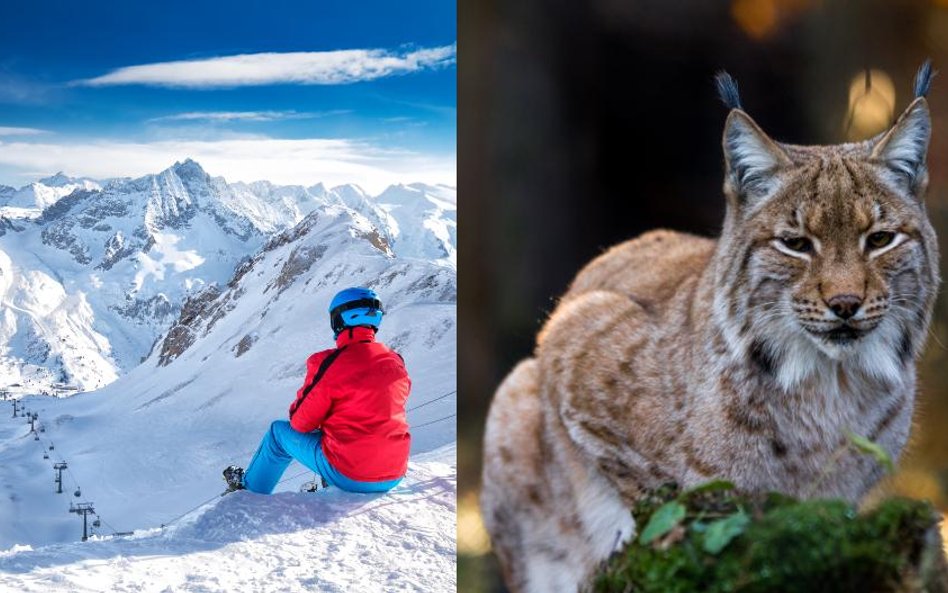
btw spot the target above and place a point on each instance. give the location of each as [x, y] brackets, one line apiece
[234, 476]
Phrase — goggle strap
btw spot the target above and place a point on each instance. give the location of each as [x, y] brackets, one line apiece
[359, 304]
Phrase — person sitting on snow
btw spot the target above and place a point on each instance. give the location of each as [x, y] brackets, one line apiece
[348, 421]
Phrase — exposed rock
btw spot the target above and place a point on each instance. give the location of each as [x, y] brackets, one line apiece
[63, 206]
[244, 267]
[183, 333]
[60, 236]
[116, 248]
[300, 261]
[102, 207]
[157, 308]
[377, 241]
[244, 345]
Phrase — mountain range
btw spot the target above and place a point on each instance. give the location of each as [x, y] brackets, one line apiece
[94, 274]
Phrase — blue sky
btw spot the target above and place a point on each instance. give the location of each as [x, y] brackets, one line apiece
[295, 92]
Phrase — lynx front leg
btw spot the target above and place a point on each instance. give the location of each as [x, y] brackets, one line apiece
[603, 387]
[551, 521]
[515, 497]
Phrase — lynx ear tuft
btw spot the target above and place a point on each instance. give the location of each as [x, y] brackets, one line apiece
[904, 148]
[752, 159]
[727, 90]
[923, 79]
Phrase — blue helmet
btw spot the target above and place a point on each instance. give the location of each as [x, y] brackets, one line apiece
[355, 306]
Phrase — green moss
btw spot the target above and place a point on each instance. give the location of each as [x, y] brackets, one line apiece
[787, 545]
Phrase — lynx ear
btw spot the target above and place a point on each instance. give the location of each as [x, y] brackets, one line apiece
[752, 160]
[903, 149]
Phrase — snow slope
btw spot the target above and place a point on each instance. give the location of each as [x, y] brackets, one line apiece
[325, 541]
[149, 447]
[418, 220]
[435, 207]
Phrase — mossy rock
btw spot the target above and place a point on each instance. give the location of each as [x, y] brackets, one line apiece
[712, 540]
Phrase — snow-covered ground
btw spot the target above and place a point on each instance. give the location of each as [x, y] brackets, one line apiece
[325, 541]
[141, 473]
[147, 449]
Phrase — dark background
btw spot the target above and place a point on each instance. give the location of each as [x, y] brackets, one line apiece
[582, 124]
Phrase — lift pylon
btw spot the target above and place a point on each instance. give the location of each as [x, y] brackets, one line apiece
[59, 467]
[85, 509]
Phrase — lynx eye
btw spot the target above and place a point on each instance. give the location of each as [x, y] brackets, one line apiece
[798, 244]
[879, 239]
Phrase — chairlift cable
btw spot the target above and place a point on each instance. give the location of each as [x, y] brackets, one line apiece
[440, 397]
[433, 421]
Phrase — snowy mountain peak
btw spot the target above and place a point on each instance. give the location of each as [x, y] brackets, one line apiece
[190, 169]
[442, 192]
[60, 179]
[56, 180]
[420, 195]
[30, 200]
[349, 189]
[318, 189]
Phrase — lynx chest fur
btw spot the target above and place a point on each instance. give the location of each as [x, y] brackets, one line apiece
[674, 358]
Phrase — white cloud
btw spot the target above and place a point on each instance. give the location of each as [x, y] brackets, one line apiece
[225, 116]
[9, 131]
[325, 67]
[303, 162]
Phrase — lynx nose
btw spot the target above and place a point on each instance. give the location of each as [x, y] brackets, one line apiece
[844, 305]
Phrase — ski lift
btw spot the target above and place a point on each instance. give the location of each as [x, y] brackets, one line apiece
[36, 437]
[317, 483]
[51, 447]
[42, 429]
[97, 523]
[78, 492]
[45, 455]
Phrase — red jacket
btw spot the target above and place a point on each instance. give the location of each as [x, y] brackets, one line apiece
[359, 404]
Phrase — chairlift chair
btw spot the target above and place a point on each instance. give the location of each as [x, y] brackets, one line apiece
[45, 455]
[97, 523]
[78, 492]
[317, 483]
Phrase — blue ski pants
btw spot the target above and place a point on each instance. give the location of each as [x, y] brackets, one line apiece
[282, 444]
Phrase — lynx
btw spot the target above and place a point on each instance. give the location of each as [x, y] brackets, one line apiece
[674, 358]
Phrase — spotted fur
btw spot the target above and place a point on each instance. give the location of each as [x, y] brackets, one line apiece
[674, 358]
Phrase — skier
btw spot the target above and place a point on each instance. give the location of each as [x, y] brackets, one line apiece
[347, 422]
